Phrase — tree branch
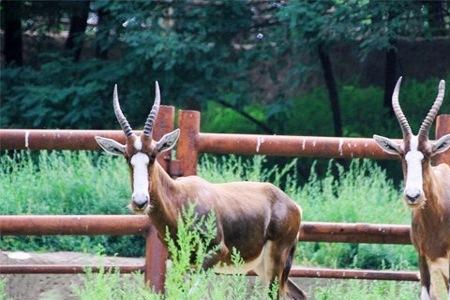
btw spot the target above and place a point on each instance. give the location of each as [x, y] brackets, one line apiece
[246, 115]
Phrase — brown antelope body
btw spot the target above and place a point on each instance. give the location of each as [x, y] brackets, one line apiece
[427, 193]
[257, 219]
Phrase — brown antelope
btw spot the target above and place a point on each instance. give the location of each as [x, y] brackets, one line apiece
[427, 193]
[257, 219]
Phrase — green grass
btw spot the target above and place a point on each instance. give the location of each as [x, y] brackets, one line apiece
[365, 290]
[85, 183]
[2, 290]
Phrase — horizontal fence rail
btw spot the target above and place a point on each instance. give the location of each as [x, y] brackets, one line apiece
[304, 146]
[68, 269]
[355, 233]
[128, 224]
[296, 271]
[354, 274]
[73, 225]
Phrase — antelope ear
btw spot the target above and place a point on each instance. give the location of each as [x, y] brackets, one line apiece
[387, 145]
[441, 145]
[110, 146]
[168, 141]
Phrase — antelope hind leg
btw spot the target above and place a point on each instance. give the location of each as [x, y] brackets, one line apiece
[294, 292]
[439, 275]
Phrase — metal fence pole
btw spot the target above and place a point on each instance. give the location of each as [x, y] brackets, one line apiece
[187, 153]
[443, 128]
[155, 252]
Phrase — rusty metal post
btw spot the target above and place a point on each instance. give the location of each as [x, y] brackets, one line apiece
[164, 124]
[155, 252]
[443, 128]
[155, 261]
[187, 152]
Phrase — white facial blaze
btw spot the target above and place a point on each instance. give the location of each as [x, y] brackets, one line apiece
[414, 179]
[139, 162]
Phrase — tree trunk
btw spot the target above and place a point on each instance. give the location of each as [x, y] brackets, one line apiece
[332, 89]
[12, 48]
[249, 117]
[102, 35]
[436, 18]
[78, 24]
[390, 76]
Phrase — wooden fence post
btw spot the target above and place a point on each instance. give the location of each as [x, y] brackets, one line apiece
[187, 153]
[443, 128]
[155, 252]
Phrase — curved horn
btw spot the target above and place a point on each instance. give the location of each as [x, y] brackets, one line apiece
[119, 114]
[148, 127]
[426, 124]
[406, 129]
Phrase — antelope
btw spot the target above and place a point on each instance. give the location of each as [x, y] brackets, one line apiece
[257, 219]
[427, 193]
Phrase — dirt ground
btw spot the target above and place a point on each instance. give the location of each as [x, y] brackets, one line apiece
[60, 287]
[52, 286]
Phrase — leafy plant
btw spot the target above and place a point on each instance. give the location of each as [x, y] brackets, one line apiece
[185, 279]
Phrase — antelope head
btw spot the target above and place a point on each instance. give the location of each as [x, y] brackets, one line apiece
[415, 151]
[140, 151]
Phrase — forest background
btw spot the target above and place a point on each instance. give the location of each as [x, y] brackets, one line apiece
[323, 68]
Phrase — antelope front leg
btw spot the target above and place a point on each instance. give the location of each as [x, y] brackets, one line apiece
[424, 278]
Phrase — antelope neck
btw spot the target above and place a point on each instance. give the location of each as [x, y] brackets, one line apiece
[164, 197]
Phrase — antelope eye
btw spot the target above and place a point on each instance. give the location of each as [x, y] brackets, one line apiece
[389, 146]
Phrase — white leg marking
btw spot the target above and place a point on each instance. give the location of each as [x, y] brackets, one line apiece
[140, 161]
[424, 294]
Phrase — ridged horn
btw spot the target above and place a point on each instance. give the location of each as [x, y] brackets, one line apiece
[426, 124]
[148, 127]
[119, 114]
[406, 129]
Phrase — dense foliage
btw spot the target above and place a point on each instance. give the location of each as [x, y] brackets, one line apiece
[255, 58]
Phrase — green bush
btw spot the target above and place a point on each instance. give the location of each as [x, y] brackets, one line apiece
[86, 183]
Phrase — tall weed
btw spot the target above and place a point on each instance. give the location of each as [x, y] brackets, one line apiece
[185, 279]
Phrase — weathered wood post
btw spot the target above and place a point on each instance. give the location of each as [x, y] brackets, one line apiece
[443, 128]
[155, 251]
[187, 153]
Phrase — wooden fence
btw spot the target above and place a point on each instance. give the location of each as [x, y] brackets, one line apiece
[191, 143]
